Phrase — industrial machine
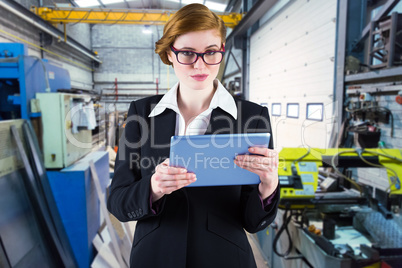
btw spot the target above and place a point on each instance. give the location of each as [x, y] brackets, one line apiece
[32, 89]
[64, 214]
[327, 218]
[21, 77]
[67, 121]
[299, 172]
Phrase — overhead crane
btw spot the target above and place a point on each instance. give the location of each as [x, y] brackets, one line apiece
[64, 15]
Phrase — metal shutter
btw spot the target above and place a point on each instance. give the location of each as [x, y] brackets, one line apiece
[292, 61]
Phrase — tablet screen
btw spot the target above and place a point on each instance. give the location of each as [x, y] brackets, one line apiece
[211, 157]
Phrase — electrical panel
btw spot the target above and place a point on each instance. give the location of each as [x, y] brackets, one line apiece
[67, 134]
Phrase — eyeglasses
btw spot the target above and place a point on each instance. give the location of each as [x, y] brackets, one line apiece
[210, 57]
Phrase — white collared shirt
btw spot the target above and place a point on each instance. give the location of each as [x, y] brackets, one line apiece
[199, 125]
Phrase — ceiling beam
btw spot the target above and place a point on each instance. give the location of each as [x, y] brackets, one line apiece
[73, 3]
[117, 16]
[46, 27]
[101, 4]
[258, 10]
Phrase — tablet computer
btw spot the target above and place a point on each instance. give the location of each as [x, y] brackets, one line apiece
[211, 157]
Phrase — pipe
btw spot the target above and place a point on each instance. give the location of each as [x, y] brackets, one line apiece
[37, 25]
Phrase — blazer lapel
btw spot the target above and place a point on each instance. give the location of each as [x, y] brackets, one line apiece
[221, 123]
[162, 128]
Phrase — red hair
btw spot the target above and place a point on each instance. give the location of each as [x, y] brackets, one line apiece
[190, 18]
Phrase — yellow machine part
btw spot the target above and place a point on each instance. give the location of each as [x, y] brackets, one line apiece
[391, 159]
[307, 162]
[307, 169]
[117, 16]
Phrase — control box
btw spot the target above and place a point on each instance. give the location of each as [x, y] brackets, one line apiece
[66, 138]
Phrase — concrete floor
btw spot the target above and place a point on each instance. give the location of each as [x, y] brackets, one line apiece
[259, 259]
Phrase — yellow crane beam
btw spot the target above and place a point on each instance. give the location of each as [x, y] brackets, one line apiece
[117, 16]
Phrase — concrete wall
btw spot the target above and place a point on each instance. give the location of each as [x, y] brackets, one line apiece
[129, 56]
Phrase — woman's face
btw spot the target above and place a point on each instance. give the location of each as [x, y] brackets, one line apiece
[198, 75]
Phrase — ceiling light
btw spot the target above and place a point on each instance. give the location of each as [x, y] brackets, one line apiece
[187, 2]
[106, 2]
[87, 3]
[146, 29]
[215, 6]
[218, 7]
[93, 3]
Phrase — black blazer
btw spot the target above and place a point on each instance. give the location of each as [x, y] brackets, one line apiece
[194, 226]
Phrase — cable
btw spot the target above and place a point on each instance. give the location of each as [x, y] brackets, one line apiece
[293, 165]
[301, 157]
[341, 174]
[380, 166]
[285, 222]
[384, 155]
[44, 70]
[381, 146]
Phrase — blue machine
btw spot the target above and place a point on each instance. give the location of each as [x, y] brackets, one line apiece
[22, 76]
[78, 203]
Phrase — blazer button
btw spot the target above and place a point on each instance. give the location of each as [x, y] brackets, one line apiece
[130, 215]
[140, 211]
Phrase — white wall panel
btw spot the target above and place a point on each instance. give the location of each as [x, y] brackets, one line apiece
[292, 61]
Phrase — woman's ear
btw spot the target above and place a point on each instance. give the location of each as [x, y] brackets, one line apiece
[169, 56]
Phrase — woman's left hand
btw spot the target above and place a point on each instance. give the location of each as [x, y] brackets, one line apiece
[264, 163]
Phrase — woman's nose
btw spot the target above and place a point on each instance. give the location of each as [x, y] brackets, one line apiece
[199, 63]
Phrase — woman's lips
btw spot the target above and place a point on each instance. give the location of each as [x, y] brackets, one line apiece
[199, 77]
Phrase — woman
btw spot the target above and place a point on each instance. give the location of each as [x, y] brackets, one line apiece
[191, 226]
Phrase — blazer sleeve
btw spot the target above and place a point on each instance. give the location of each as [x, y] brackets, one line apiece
[255, 217]
[129, 197]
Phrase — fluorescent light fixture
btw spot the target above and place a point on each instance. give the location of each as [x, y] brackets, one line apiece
[106, 2]
[211, 5]
[186, 2]
[93, 3]
[146, 29]
[87, 3]
[215, 6]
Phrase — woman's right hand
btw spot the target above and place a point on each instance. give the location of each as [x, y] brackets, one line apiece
[167, 179]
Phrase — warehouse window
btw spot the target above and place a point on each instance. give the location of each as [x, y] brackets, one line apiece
[314, 111]
[292, 110]
[276, 109]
